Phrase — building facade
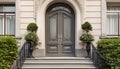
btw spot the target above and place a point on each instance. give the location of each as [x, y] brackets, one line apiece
[59, 22]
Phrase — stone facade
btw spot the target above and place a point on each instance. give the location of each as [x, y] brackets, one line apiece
[34, 11]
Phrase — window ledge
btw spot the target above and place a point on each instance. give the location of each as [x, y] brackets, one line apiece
[17, 37]
[107, 37]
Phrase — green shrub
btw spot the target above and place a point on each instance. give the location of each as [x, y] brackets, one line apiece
[8, 51]
[110, 49]
[86, 37]
[86, 26]
[32, 27]
[31, 37]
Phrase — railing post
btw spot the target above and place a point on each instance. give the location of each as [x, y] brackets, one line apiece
[91, 51]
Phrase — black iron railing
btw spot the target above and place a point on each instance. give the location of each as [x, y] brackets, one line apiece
[99, 61]
[24, 53]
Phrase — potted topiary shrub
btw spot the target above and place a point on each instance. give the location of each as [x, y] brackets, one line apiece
[86, 37]
[32, 37]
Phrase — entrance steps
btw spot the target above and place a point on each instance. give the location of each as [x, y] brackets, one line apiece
[58, 63]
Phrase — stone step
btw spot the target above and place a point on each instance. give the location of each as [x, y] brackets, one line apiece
[58, 67]
[58, 63]
[58, 59]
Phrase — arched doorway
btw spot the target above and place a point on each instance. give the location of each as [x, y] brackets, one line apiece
[60, 30]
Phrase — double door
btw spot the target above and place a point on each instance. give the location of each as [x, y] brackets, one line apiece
[60, 34]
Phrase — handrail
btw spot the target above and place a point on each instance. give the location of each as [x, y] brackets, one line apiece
[98, 58]
[24, 52]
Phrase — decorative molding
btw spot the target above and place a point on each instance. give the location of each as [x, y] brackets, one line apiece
[112, 0]
[81, 7]
[80, 1]
[7, 0]
[104, 10]
[80, 4]
[37, 4]
[17, 20]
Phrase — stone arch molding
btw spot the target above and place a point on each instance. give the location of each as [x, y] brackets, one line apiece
[41, 7]
[39, 4]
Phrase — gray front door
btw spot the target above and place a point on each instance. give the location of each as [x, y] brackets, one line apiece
[60, 32]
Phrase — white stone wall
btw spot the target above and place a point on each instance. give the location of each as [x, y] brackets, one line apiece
[85, 10]
[26, 14]
[93, 14]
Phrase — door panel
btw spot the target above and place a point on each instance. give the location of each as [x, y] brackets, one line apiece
[53, 27]
[67, 27]
[52, 44]
[60, 33]
[67, 43]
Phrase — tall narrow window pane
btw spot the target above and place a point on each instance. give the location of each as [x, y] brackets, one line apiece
[112, 23]
[1, 9]
[53, 27]
[10, 24]
[1, 24]
[67, 27]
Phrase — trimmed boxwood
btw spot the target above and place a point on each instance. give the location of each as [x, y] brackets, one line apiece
[86, 37]
[32, 27]
[31, 37]
[110, 49]
[86, 26]
[8, 51]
